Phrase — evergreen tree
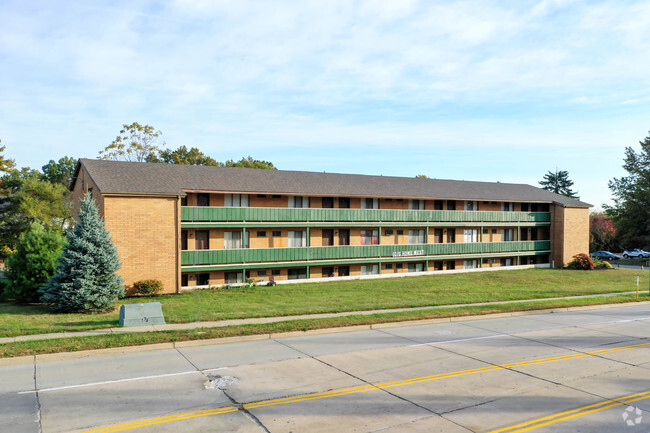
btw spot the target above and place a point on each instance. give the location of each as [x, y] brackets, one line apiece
[631, 210]
[558, 183]
[33, 263]
[85, 278]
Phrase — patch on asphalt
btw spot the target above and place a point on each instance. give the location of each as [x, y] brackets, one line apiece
[219, 382]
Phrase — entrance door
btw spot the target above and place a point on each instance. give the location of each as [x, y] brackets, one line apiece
[437, 236]
[202, 240]
[344, 236]
[344, 271]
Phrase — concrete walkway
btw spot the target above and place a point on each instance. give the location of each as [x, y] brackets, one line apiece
[221, 323]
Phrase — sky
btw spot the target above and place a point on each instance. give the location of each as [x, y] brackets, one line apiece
[476, 90]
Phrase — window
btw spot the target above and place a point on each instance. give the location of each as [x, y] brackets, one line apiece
[506, 262]
[261, 234]
[344, 271]
[184, 280]
[344, 203]
[416, 204]
[416, 236]
[399, 266]
[451, 236]
[90, 191]
[507, 207]
[297, 273]
[234, 278]
[276, 196]
[261, 195]
[184, 240]
[297, 239]
[184, 201]
[261, 273]
[389, 232]
[275, 272]
[202, 240]
[233, 240]
[297, 201]
[471, 205]
[369, 269]
[451, 204]
[470, 264]
[369, 237]
[437, 204]
[344, 236]
[328, 237]
[451, 265]
[203, 279]
[203, 199]
[494, 231]
[507, 235]
[400, 232]
[389, 266]
[486, 231]
[437, 266]
[328, 202]
[470, 235]
[416, 267]
[276, 234]
[369, 203]
[327, 271]
[524, 207]
[437, 236]
[236, 200]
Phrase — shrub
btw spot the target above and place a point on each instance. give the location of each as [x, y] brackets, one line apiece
[148, 287]
[33, 263]
[581, 261]
[602, 264]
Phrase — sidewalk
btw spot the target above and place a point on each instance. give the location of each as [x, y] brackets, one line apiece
[221, 323]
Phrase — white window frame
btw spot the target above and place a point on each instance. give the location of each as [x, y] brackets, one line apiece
[369, 269]
[416, 267]
[470, 264]
[297, 238]
[507, 207]
[365, 204]
[416, 236]
[366, 235]
[298, 201]
[416, 204]
[236, 200]
[470, 235]
[471, 205]
[234, 240]
[507, 235]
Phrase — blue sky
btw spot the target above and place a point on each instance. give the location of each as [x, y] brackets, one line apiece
[476, 90]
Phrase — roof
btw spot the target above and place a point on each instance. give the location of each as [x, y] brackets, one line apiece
[138, 178]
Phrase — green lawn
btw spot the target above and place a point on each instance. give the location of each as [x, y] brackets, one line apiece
[283, 300]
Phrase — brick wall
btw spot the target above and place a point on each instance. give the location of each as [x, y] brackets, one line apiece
[145, 231]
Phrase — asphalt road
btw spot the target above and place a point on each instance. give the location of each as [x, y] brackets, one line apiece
[580, 371]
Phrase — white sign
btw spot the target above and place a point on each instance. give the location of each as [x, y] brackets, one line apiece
[408, 253]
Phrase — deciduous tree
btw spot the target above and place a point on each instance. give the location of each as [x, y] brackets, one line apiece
[249, 162]
[6, 165]
[135, 143]
[182, 155]
[60, 171]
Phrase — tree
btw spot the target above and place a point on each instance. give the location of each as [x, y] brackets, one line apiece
[33, 263]
[422, 176]
[182, 155]
[602, 234]
[558, 183]
[631, 209]
[60, 171]
[251, 163]
[85, 279]
[135, 143]
[6, 165]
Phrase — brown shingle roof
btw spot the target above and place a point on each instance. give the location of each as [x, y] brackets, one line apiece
[119, 177]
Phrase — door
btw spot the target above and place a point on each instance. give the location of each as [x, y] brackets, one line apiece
[344, 236]
[328, 237]
[344, 271]
[451, 236]
[437, 236]
[202, 240]
[328, 202]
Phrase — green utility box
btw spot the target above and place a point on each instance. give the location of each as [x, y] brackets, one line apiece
[142, 314]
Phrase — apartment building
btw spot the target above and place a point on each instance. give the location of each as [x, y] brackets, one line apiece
[194, 226]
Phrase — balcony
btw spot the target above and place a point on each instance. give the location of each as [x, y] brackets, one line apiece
[250, 214]
[211, 257]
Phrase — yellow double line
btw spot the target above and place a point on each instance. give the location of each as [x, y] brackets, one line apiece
[574, 413]
[385, 385]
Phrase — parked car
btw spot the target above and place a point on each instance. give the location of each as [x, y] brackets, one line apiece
[635, 254]
[605, 255]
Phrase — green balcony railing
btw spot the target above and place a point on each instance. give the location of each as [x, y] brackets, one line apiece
[210, 257]
[232, 214]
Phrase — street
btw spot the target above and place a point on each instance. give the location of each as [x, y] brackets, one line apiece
[571, 371]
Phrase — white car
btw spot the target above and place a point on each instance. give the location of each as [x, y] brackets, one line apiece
[636, 254]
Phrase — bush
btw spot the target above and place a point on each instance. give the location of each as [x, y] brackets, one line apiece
[148, 287]
[602, 264]
[581, 261]
[33, 263]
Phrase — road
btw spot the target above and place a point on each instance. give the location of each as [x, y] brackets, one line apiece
[575, 371]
